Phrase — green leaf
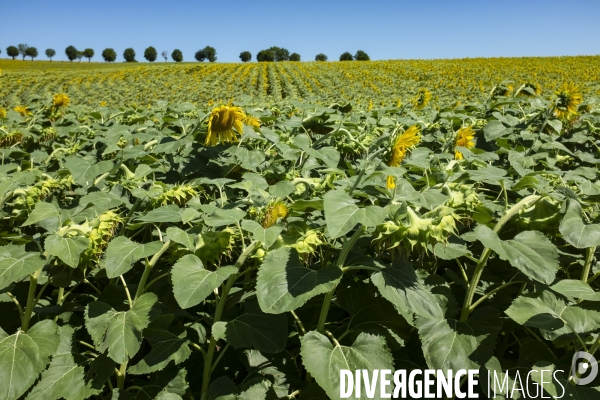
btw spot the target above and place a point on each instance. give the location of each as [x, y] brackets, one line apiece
[324, 361]
[84, 172]
[166, 347]
[122, 252]
[552, 314]
[342, 214]
[398, 284]
[182, 237]
[41, 212]
[530, 251]
[495, 129]
[192, 283]
[450, 251]
[119, 332]
[575, 232]
[284, 284]
[220, 217]
[266, 236]
[576, 289]
[68, 250]
[264, 332]
[169, 213]
[452, 345]
[23, 356]
[15, 263]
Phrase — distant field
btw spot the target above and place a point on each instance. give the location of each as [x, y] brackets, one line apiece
[381, 83]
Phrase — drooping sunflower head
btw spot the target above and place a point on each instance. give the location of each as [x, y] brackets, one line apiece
[503, 90]
[224, 124]
[274, 212]
[568, 97]
[23, 110]
[60, 100]
[252, 121]
[421, 99]
[464, 138]
[533, 89]
[411, 137]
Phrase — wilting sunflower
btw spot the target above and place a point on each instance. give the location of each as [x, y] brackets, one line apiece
[421, 99]
[464, 138]
[223, 124]
[61, 100]
[274, 212]
[411, 137]
[23, 110]
[567, 100]
[252, 121]
[503, 90]
[2, 113]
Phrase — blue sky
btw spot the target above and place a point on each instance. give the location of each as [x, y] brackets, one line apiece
[384, 29]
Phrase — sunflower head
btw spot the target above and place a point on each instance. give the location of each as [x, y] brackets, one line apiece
[422, 98]
[60, 100]
[411, 137]
[23, 110]
[274, 212]
[2, 113]
[503, 90]
[464, 138]
[224, 124]
[252, 121]
[568, 97]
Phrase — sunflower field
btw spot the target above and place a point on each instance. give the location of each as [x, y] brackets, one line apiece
[263, 226]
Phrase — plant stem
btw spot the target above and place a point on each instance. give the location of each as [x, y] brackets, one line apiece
[487, 295]
[466, 309]
[121, 373]
[142, 284]
[589, 257]
[14, 299]
[33, 278]
[208, 360]
[126, 291]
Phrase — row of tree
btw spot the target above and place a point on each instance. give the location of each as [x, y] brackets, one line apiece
[272, 54]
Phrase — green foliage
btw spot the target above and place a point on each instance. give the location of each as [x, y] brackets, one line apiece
[265, 56]
[245, 56]
[71, 53]
[294, 57]
[320, 57]
[346, 56]
[12, 51]
[361, 56]
[210, 53]
[150, 54]
[31, 52]
[88, 53]
[136, 261]
[200, 55]
[109, 55]
[273, 53]
[22, 48]
[129, 55]
[177, 55]
[50, 53]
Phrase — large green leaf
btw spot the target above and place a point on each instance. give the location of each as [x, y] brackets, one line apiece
[67, 249]
[84, 172]
[530, 251]
[122, 252]
[324, 361]
[182, 237]
[575, 232]
[169, 213]
[254, 328]
[266, 236]
[192, 283]
[23, 356]
[41, 212]
[284, 284]
[15, 263]
[452, 345]
[342, 214]
[398, 284]
[119, 332]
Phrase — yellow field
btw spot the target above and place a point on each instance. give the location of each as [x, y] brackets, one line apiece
[379, 83]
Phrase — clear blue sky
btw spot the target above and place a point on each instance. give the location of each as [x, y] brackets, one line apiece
[384, 29]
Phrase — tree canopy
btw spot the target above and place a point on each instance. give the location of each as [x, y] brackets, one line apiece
[129, 55]
[71, 53]
[177, 55]
[50, 53]
[361, 56]
[23, 49]
[31, 52]
[109, 55]
[150, 54]
[320, 57]
[12, 51]
[294, 57]
[245, 56]
[346, 56]
[88, 53]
